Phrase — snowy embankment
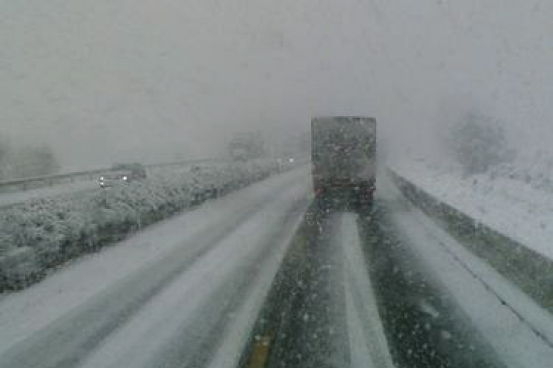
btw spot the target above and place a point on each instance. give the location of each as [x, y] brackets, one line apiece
[44, 233]
[504, 221]
[509, 206]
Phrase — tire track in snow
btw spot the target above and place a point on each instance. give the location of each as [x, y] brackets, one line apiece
[367, 341]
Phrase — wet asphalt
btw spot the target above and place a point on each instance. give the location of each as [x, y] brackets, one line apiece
[303, 321]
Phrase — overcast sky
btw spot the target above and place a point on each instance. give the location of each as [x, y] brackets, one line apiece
[151, 80]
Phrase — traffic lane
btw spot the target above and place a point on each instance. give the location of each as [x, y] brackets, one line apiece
[317, 315]
[107, 304]
[300, 324]
[240, 321]
[517, 329]
[367, 342]
[185, 324]
[423, 323]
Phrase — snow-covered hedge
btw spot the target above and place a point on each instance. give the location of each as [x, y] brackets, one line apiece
[41, 234]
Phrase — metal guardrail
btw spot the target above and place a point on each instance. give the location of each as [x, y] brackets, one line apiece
[180, 163]
[49, 180]
[39, 181]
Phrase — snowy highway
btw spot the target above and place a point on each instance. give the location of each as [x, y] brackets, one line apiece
[269, 277]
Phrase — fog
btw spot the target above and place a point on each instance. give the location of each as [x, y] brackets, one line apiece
[156, 80]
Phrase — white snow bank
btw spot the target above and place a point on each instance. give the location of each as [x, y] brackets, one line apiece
[512, 207]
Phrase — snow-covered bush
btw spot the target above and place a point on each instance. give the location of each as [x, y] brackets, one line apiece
[56, 229]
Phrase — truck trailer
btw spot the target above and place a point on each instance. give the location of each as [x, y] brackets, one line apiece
[343, 156]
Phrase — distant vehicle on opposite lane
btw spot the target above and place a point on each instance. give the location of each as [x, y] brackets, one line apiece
[122, 174]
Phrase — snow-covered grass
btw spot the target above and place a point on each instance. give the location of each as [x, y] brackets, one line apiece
[534, 169]
[44, 233]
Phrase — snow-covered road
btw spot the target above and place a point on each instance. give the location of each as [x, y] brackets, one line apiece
[268, 275]
[132, 302]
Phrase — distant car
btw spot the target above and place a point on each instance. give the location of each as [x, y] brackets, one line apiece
[122, 174]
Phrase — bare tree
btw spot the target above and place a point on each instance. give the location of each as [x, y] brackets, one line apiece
[26, 161]
[478, 142]
[4, 159]
[247, 146]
